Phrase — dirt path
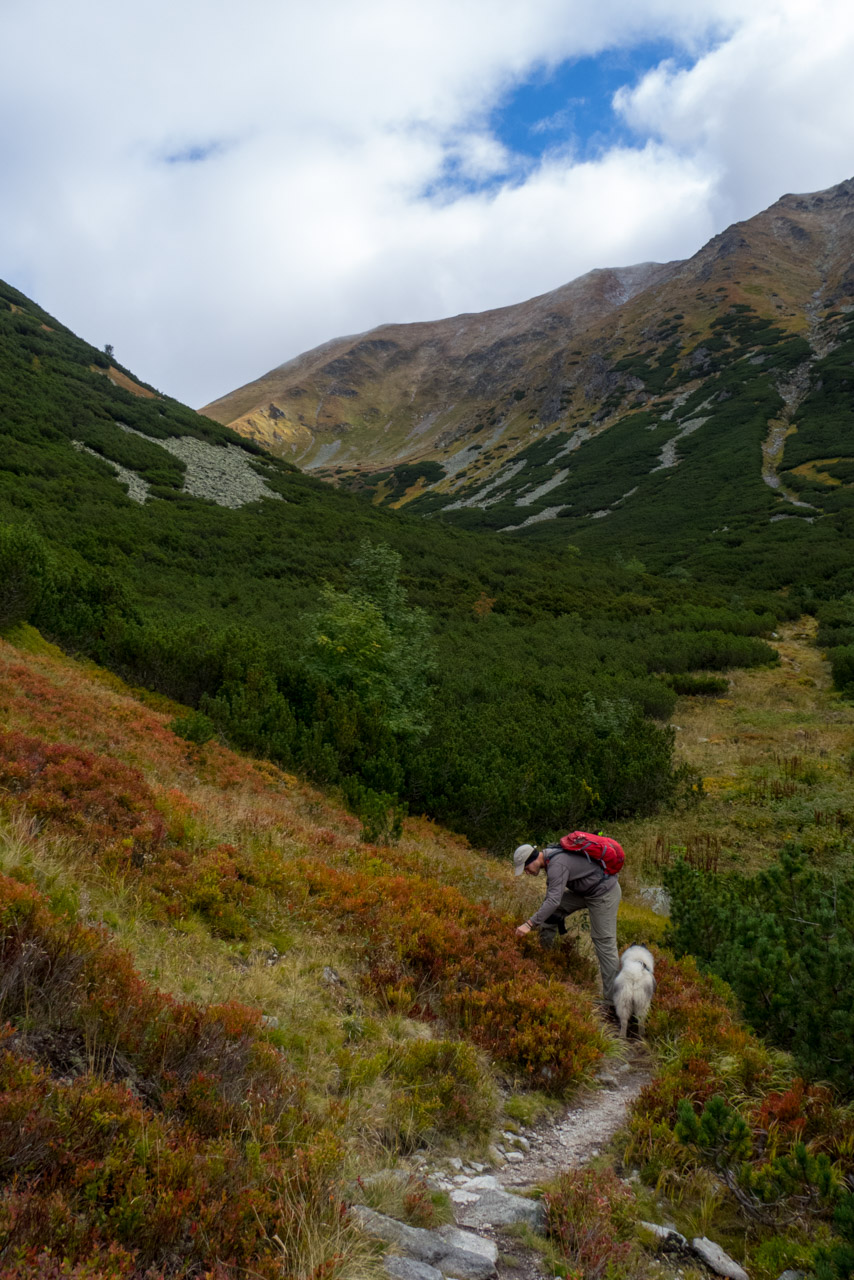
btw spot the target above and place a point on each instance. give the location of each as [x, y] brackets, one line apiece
[581, 1132]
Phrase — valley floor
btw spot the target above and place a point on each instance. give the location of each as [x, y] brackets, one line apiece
[776, 756]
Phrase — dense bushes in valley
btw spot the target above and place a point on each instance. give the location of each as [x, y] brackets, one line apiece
[784, 941]
[836, 636]
[500, 725]
[499, 686]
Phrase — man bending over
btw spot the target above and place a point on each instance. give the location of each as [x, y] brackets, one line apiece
[574, 883]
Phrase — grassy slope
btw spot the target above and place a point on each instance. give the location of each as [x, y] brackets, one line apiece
[371, 977]
[212, 908]
[776, 760]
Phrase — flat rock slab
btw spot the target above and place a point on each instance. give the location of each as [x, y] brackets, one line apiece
[471, 1243]
[716, 1260]
[493, 1207]
[442, 1249]
[409, 1269]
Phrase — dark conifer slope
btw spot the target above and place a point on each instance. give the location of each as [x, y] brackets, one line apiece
[180, 554]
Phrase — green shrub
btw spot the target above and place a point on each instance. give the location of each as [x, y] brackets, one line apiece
[772, 1191]
[381, 814]
[195, 727]
[23, 573]
[784, 941]
[836, 1261]
[441, 1090]
[842, 666]
[700, 686]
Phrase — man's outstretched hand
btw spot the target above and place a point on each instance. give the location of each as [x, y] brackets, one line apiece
[523, 929]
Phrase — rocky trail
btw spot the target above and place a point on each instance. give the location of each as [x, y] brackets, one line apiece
[493, 1202]
[490, 1201]
[583, 1130]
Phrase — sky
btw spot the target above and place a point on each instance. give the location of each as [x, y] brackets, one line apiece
[214, 187]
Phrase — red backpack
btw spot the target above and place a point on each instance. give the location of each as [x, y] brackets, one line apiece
[602, 850]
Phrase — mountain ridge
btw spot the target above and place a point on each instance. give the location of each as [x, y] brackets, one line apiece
[426, 392]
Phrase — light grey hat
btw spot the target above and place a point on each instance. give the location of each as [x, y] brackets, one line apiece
[520, 857]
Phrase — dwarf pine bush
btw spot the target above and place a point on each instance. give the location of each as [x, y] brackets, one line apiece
[784, 941]
[23, 573]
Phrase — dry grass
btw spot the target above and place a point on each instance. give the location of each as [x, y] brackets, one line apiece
[773, 756]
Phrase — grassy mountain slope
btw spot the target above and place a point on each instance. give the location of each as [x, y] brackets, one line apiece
[687, 409]
[398, 391]
[293, 1006]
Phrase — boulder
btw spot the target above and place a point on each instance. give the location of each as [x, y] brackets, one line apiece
[668, 1236]
[459, 1264]
[496, 1208]
[440, 1249]
[716, 1260]
[408, 1269]
[418, 1243]
[459, 1239]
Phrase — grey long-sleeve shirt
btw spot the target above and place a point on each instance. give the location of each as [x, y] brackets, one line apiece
[574, 872]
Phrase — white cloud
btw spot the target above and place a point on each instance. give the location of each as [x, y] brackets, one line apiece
[771, 109]
[303, 139]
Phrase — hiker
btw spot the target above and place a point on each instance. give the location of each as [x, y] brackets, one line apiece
[574, 882]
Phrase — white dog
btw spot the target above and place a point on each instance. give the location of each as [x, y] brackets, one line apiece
[633, 987]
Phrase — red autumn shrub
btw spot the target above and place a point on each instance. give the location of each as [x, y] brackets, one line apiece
[591, 1218]
[97, 797]
[93, 1176]
[138, 1132]
[692, 1016]
[68, 991]
[801, 1113]
[59, 700]
[111, 807]
[215, 884]
[427, 946]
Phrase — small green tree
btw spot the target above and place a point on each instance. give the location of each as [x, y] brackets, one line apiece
[836, 1260]
[370, 640]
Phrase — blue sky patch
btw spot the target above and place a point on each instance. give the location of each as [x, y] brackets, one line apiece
[569, 107]
[194, 153]
[566, 109]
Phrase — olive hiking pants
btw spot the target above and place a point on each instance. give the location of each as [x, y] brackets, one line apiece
[603, 929]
